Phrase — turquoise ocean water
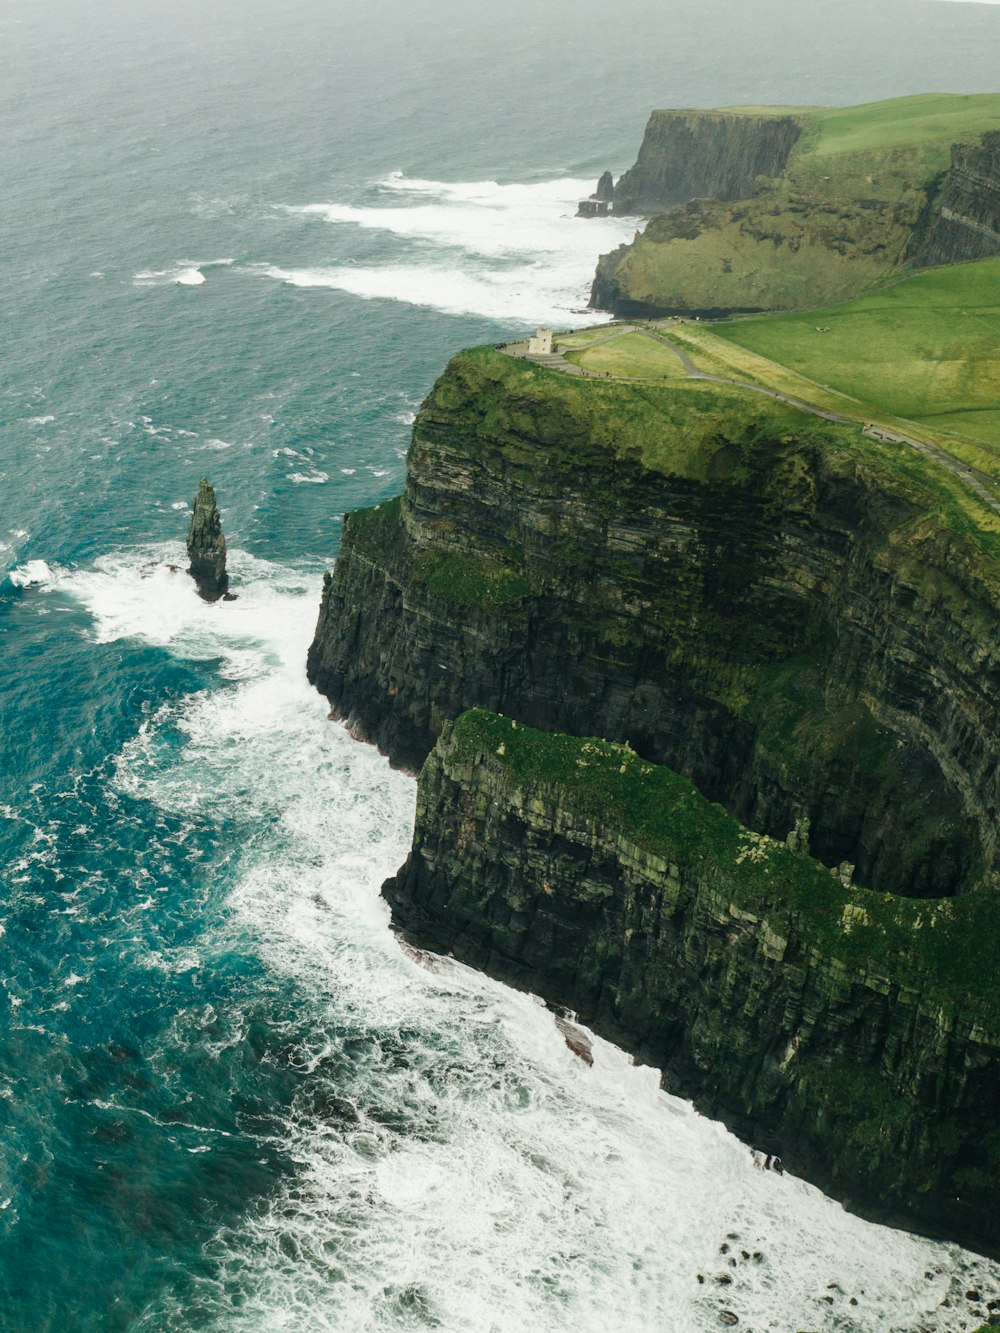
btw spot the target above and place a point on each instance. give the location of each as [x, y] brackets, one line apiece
[240, 240]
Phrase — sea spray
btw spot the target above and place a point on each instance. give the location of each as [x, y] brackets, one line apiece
[446, 1156]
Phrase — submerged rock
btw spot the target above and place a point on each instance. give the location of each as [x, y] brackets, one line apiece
[576, 1039]
[207, 546]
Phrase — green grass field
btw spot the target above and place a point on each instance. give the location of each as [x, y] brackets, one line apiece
[926, 349]
[583, 337]
[926, 121]
[630, 355]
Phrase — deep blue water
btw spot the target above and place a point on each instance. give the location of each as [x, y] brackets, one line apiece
[241, 240]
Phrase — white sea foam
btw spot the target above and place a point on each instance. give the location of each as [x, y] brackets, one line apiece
[485, 1176]
[513, 253]
[185, 273]
[314, 478]
[32, 572]
[521, 296]
[484, 218]
[41, 421]
[16, 537]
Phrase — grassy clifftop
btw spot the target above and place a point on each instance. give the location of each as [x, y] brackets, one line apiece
[677, 429]
[926, 124]
[845, 206]
[927, 349]
[701, 430]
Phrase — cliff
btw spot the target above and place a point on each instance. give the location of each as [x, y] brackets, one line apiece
[704, 155]
[797, 618]
[854, 1033]
[800, 619]
[964, 219]
[792, 208]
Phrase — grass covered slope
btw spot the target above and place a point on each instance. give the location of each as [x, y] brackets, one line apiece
[846, 211]
[876, 132]
[927, 348]
[631, 355]
[677, 429]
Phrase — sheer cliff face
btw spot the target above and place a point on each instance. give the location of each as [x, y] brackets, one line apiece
[763, 605]
[965, 219]
[704, 155]
[819, 1021]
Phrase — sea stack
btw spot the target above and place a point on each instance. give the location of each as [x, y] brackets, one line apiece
[599, 203]
[207, 546]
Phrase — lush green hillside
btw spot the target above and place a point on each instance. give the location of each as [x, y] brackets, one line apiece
[927, 348]
[854, 199]
[929, 122]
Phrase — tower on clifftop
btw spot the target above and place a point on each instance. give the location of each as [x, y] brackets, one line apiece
[541, 343]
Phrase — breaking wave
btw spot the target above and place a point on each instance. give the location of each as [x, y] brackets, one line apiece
[512, 253]
[453, 1163]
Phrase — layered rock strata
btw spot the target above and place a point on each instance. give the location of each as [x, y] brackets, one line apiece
[965, 217]
[206, 546]
[855, 1034]
[777, 608]
[704, 155]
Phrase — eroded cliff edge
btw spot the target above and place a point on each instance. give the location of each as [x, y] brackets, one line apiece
[964, 219]
[854, 1033]
[798, 618]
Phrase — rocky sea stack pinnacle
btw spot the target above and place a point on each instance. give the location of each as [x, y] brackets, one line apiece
[207, 546]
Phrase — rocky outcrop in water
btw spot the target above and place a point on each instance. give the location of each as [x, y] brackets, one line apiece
[598, 205]
[206, 546]
[964, 220]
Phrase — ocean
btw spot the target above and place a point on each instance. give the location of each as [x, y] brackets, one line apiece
[240, 241]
